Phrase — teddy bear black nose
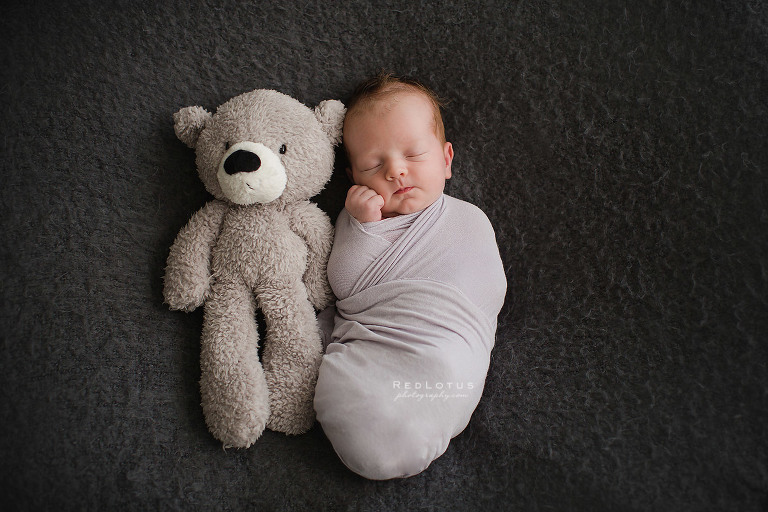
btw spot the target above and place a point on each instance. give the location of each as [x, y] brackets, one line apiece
[242, 161]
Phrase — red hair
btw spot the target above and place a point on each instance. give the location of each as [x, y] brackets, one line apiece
[385, 85]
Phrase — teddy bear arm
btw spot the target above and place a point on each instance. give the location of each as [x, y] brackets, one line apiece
[314, 226]
[188, 270]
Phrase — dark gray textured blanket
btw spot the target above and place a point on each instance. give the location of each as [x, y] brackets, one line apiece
[619, 149]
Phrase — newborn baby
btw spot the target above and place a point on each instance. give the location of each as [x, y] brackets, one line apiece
[419, 282]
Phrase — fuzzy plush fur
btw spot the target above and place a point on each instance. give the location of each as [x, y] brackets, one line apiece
[244, 250]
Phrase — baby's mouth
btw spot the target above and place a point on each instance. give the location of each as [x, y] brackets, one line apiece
[403, 190]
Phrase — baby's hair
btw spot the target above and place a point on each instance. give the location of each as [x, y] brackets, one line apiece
[386, 84]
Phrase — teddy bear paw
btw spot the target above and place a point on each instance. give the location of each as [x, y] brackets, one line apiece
[186, 298]
[291, 410]
[236, 427]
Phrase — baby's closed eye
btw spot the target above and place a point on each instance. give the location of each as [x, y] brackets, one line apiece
[370, 167]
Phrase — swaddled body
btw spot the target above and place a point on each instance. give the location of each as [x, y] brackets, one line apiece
[419, 282]
[415, 324]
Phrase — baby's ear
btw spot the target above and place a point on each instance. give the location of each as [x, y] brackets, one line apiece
[189, 122]
[330, 113]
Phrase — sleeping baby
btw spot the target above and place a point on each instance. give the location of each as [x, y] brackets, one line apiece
[419, 283]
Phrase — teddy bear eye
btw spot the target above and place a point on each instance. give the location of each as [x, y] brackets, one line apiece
[283, 149]
[226, 145]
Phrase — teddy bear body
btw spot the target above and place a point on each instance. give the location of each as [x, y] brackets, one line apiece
[259, 244]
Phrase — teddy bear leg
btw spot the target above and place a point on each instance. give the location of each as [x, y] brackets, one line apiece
[234, 392]
[292, 355]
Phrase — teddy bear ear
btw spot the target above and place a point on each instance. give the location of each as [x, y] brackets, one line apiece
[330, 113]
[188, 123]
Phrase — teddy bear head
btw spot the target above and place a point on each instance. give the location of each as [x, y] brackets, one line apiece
[263, 146]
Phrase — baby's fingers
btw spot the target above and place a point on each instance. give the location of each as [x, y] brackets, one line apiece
[377, 201]
[360, 192]
[364, 204]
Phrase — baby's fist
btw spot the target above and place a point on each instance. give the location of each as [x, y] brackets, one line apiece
[364, 204]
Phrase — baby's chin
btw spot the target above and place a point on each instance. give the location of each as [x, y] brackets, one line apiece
[413, 202]
[402, 211]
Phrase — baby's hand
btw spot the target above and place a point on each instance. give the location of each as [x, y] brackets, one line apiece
[364, 204]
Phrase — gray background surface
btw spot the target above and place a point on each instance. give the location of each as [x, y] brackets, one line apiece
[619, 149]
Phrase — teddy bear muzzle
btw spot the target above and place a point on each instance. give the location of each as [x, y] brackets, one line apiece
[250, 173]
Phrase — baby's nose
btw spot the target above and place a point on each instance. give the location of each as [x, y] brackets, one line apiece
[397, 169]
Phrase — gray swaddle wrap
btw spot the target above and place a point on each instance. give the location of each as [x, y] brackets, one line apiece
[413, 331]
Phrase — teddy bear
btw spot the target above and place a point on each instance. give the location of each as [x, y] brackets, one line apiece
[260, 243]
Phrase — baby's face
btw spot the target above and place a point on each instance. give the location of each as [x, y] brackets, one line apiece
[393, 150]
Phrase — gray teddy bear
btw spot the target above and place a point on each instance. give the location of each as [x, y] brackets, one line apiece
[259, 243]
